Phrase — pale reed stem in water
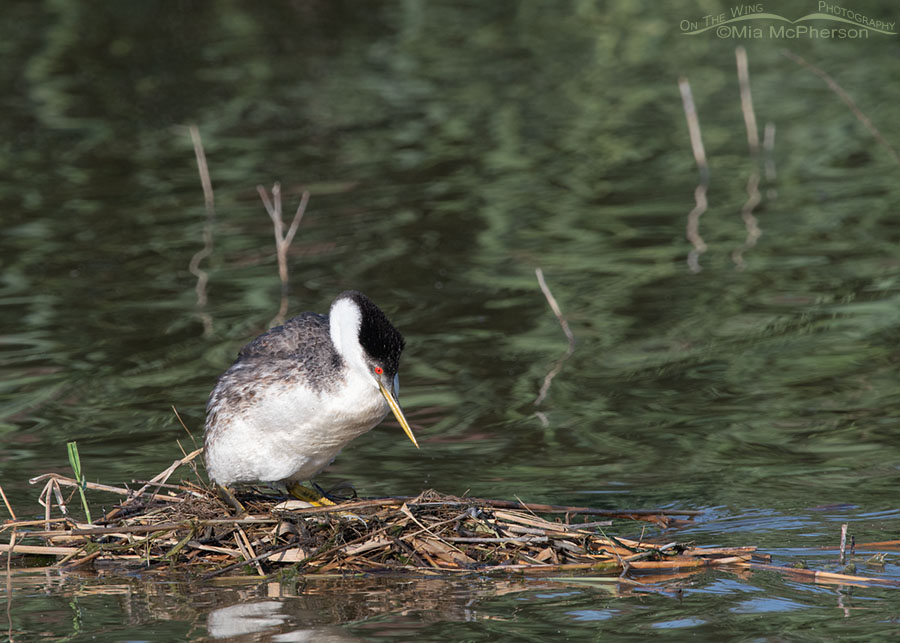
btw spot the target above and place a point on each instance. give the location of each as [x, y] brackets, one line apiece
[210, 206]
[753, 195]
[693, 222]
[569, 336]
[282, 240]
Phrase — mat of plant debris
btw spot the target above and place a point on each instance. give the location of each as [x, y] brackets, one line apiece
[186, 527]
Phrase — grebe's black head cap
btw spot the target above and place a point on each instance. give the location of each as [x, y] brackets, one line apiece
[380, 340]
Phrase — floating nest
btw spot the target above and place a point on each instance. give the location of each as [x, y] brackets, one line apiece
[187, 528]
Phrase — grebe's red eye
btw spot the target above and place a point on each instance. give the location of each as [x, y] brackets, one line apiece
[379, 370]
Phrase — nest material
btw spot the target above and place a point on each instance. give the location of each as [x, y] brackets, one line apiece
[188, 527]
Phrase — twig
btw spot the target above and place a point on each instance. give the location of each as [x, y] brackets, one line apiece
[162, 477]
[41, 550]
[29, 523]
[184, 426]
[247, 550]
[837, 89]
[68, 482]
[753, 195]
[282, 240]
[497, 504]
[6, 502]
[527, 508]
[210, 206]
[843, 543]
[554, 306]
[81, 561]
[241, 563]
[144, 529]
[693, 223]
[209, 200]
[9, 550]
[557, 367]
[45, 499]
[523, 540]
[542, 508]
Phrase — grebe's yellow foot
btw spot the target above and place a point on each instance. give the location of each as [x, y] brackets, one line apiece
[226, 495]
[317, 498]
[312, 496]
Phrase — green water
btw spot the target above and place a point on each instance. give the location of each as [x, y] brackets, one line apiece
[450, 149]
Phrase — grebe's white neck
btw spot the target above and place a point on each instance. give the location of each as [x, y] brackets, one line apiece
[345, 319]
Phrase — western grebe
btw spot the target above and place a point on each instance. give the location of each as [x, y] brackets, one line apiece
[298, 393]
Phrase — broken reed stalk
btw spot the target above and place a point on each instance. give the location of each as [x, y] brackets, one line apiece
[45, 499]
[753, 195]
[843, 544]
[282, 240]
[6, 502]
[844, 96]
[551, 300]
[210, 207]
[55, 478]
[693, 223]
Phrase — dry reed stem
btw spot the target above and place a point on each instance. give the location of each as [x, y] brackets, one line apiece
[82, 561]
[844, 96]
[843, 558]
[9, 550]
[57, 479]
[46, 501]
[247, 550]
[282, 240]
[45, 550]
[161, 478]
[570, 337]
[6, 502]
[30, 523]
[186, 430]
[753, 196]
[692, 231]
[210, 208]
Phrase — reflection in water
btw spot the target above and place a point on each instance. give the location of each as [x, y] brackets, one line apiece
[381, 606]
[244, 618]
